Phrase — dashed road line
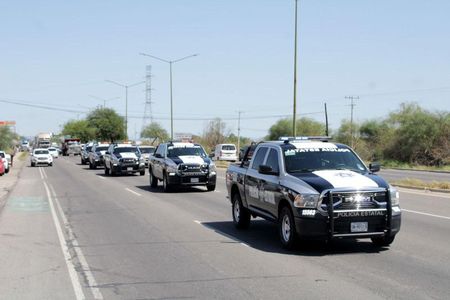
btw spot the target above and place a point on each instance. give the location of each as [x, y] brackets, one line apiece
[133, 192]
[425, 214]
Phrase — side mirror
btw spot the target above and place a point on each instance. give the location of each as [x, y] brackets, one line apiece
[266, 170]
[374, 167]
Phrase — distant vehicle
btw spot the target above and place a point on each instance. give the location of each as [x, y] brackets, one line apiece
[146, 151]
[71, 146]
[24, 146]
[313, 189]
[97, 155]
[85, 153]
[41, 156]
[3, 156]
[124, 159]
[181, 164]
[225, 152]
[53, 151]
[2, 168]
[42, 140]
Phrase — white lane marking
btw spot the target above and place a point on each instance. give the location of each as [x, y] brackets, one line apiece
[65, 249]
[45, 174]
[40, 172]
[217, 191]
[426, 214]
[222, 233]
[423, 193]
[92, 283]
[131, 191]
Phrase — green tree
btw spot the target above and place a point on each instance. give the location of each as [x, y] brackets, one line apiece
[108, 125]
[156, 132]
[7, 138]
[304, 127]
[79, 129]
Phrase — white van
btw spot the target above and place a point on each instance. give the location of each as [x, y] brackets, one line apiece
[225, 152]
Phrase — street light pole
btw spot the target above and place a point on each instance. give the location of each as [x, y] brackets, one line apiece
[126, 86]
[170, 62]
[294, 129]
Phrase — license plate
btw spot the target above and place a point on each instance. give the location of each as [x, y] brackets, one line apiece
[130, 169]
[194, 180]
[358, 227]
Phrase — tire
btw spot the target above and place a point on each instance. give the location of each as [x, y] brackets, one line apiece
[90, 165]
[166, 186]
[50, 165]
[286, 229]
[142, 173]
[112, 171]
[32, 164]
[106, 170]
[383, 241]
[153, 179]
[241, 216]
[82, 161]
[6, 171]
[211, 187]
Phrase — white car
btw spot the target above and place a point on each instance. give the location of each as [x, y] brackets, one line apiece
[225, 152]
[54, 152]
[6, 162]
[41, 156]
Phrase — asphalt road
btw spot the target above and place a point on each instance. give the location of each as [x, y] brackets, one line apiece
[392, 174]
[68, 232]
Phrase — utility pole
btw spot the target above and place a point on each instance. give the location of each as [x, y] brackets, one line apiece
[148, 113]
[326, 119]
[294, 130]
[239, 132]
[352, 105]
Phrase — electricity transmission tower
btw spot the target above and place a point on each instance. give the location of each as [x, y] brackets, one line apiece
[148, 114]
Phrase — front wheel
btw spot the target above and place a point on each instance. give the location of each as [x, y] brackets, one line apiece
[287, 230]
[383, 241]
[142, 173]
[106, 170]
[153, 179]
[211, 187]
[166, 185]
[241, 216]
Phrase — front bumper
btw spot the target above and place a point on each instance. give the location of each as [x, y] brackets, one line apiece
[42, 162]
[315, 225]
[192, 179]
[129, 168]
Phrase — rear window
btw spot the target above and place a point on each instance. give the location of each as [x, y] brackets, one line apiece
[228, 147]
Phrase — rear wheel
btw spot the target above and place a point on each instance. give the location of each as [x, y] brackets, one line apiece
[287, 230]
[383, 241]
[241, 216]
[153, 179]
[113, 172]
[142, 173]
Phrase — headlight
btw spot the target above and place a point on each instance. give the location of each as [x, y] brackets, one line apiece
[395, 196]
[212, 167]
[306, 200]
[172, 168]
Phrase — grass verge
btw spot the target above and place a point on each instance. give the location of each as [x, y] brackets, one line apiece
[442, 185]
[23, 156]
[406, 166]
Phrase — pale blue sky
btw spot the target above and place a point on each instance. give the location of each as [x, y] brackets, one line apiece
[58, 53]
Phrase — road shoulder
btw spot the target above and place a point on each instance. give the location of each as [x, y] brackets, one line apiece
[8, 181]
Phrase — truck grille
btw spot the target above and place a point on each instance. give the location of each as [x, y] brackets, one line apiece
[128, 160]
[192, 169]
[355, 200]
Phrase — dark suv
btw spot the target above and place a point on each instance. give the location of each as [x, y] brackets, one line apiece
[124, 159]
[181, 164]
[96, 156]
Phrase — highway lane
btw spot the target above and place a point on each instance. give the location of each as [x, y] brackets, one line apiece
[391, 174]
[142, 243]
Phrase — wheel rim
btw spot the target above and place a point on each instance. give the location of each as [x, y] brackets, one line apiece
[236, 211]
[286, 228]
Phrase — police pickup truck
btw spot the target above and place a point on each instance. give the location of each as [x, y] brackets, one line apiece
[181, 164]
[123, 159]
[313, 189]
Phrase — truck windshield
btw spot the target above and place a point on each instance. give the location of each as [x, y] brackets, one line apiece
[309, 160]
[185, 151]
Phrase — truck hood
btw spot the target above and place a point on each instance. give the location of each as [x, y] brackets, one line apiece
[330, 179]
[127, 155]
[190, 159]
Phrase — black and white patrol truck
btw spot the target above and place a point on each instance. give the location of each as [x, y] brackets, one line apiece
[181, 164]
[313, 189]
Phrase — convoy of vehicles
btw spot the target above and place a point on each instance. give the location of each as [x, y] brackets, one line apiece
[41, 156]
[225, 152]
[181, 164]
[96, 155]
[313, 189]
[123, 159]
